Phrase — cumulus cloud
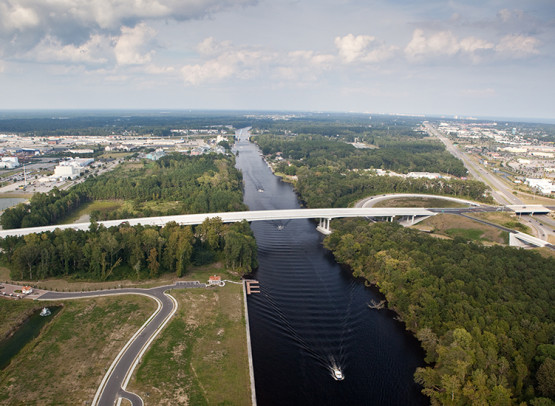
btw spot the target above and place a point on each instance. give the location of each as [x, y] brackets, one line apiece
[222, 60]
[517, 46]
[26, 23]
[94, 51]
[134, 46]
[226, 60]
[438, 44]
[363, 48]
[446, 44]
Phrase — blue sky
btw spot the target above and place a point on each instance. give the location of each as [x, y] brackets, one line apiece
[469, 58]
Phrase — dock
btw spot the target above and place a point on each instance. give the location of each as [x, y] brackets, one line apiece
[252, 286]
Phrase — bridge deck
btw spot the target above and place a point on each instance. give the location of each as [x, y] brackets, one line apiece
[231, 217]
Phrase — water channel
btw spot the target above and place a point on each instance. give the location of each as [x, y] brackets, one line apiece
[27, 331]
[312, 313]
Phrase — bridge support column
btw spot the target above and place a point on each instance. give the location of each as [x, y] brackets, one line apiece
[324, 226]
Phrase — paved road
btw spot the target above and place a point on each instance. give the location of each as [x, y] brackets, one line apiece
[115, 381]
[501, 192]
[372, 200]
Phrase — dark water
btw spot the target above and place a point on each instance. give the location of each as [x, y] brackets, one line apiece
[311, 313]
[29, 330]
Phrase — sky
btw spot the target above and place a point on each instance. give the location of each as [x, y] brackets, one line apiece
[475, 58]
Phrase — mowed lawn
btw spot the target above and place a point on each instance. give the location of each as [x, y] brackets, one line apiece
[65, 364]
[201, 356]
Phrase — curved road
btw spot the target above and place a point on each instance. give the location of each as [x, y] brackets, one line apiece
[112, 387]
[372, 200]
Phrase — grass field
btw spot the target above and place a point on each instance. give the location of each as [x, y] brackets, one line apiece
[201, 356]
[504, 219]
[428, 202]
[452, 225]
[66, 363]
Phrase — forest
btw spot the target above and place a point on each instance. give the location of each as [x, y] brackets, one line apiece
[332, 173]
[121, 252]
[195, 184]
[484, 315]
[326, 187]
[403, 153]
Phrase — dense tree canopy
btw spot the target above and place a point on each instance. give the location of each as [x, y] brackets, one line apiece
[129, 252]
[201, 184]
[484, 315]
[404, 155]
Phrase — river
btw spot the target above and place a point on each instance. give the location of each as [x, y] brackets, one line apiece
[311, 313]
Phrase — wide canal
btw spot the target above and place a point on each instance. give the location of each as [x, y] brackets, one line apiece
[311, 313]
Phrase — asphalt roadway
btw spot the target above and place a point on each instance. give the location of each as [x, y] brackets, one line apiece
[112, 387]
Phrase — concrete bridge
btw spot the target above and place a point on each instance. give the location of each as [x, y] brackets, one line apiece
[404, 214]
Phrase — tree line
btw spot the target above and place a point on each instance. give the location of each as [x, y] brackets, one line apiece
[325, 187]
[484, 315]
[129, 252]
[403, 154]
[200, 184]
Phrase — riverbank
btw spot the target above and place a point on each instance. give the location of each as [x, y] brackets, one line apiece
[459, 299]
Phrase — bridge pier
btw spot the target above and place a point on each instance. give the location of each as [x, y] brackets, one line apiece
[324, 226]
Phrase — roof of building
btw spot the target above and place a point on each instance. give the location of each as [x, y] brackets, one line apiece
[215, 278]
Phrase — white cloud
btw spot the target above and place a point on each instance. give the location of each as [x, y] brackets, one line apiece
[446, 44]
[438, 44]
[134, 46]
[96, 50]
[17, 17]
[213, 70]
[363, 48]
[26, 23]
[517, 46]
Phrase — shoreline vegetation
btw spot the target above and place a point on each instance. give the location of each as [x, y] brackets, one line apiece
[481, 348]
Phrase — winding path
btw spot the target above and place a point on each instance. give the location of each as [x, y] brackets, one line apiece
[113, 385]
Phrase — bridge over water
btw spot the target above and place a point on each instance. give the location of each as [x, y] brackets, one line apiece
[408, 215]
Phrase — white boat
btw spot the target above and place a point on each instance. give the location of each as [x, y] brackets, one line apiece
[45, 312]
[337, 373]
[260, 190]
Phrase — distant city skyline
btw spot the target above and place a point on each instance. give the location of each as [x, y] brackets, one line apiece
[483, 59]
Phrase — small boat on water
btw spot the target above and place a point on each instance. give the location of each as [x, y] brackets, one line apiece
[45, 312]
[337, 374]
[260, 190]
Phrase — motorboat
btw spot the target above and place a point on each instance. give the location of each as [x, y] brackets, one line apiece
[337, 374]
[45, 312]
[260, 190]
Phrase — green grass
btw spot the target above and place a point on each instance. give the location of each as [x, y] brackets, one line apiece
[466, 233]
[88, 208]
[66, 363]
[516, 225]
[201, 356]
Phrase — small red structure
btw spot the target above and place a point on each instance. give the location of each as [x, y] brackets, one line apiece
[215, 281]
